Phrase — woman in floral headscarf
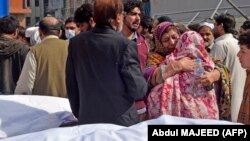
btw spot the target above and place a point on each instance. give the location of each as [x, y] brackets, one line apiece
[171, 36]
[175, 96]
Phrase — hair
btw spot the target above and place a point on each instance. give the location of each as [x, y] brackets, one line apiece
[9, 24]
[104, 10]
[164, 19]
[181, 27]
[171, 27]
[131, 4]
[147, 22]
[63, 36]
[246, 25]
[194, 27]
[84, 13]
[228, 22]
[21, 31]
[71, 20]
[50, 26]
[244, 39]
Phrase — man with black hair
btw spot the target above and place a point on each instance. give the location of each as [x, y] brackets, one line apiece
[84, 17]
[145, 29]
[146, 25]
[44, 69]
[12, 54]
[71, 28]
[244, 27]
[21, 35]
[133, 13]
[164, 19]
[225, 49]
[244, 56]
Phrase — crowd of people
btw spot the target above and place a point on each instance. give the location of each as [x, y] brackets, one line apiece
[116, 65]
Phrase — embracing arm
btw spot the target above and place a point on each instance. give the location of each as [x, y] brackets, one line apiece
[165, 71]
[210, 77]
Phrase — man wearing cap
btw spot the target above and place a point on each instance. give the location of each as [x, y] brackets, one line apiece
[206, 32]
[44, 68]
[32, 36]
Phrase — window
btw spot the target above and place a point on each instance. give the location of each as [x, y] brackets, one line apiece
[27, 21]
[37, 19]
[28, 3]
[46, 3]
[37, 3]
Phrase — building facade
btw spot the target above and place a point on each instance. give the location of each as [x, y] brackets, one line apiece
[70, 6]
[37, 7]
[18, 9]
[60, 9]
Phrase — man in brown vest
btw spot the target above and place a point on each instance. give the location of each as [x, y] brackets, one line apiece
[44, 68]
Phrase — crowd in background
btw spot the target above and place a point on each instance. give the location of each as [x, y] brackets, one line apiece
[116, 65]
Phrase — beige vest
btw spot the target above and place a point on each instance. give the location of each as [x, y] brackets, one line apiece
[51, 56]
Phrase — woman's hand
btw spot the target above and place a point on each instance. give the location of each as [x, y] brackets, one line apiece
[187, 64]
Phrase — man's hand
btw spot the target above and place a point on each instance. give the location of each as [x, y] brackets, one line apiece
[209, 77]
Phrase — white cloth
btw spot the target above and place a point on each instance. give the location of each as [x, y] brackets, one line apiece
[210, 25]
[36, 118]
[2, 133]
[226, 48]
[30, 31]
[27, 77]
[33, 34]
[110, 132]
[22, 114]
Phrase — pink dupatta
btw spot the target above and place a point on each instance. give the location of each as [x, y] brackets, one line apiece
[176, 96]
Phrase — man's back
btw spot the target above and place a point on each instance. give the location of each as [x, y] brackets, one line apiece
[12, 56]
[103, 75]
[51, 57]
[44, 68]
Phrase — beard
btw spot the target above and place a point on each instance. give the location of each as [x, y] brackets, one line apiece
[131, 27]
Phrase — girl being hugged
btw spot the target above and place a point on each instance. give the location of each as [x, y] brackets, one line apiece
[181, 94]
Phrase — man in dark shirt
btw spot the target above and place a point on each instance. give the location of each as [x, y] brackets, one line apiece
[103, 71]
[12, 54]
